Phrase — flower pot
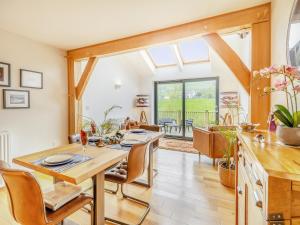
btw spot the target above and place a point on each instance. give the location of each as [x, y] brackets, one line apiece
[227, 175]
[288, 135]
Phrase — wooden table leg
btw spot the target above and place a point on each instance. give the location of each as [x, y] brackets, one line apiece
[98, 215]
[149, 181]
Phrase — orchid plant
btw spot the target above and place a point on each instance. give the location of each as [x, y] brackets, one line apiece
[288, 81]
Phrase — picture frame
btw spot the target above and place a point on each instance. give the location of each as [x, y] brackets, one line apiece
[229, 99]
[4, 74]
[31, 79]
[16, 99]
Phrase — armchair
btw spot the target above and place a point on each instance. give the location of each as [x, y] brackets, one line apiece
[210, 142]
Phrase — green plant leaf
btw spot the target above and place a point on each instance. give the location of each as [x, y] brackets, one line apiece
[279, 114]
[285, 112]
[296, 117]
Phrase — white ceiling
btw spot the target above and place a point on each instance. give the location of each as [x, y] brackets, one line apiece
[69, 24]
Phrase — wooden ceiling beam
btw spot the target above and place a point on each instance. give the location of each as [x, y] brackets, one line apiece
[71, 98]
[85, 77]
[261, 58]
[230, 58]
[214, 24]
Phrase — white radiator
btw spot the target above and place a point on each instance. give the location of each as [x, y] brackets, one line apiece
[4, 149]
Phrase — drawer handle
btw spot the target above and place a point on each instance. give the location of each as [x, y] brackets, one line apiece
[258, 181]
[258, 202]
[240, 155]
[239, 189]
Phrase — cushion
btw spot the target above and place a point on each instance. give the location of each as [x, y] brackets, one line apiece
[118, 173]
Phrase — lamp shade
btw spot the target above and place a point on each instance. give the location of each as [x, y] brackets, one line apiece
[142, 101]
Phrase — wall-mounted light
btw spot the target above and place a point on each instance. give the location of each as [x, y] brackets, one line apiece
[243, 33]
[118, 84]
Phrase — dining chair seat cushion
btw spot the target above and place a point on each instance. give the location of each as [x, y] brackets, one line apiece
[118, 173]
[55, 217]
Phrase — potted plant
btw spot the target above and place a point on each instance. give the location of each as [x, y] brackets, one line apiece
[288, 82]
[108, 125]
[226, 167]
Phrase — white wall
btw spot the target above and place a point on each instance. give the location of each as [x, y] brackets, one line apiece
[45, 123]
[281, 11]
[101, 92]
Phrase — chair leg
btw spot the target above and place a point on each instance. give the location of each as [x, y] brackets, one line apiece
[92, 213]
[143, 203]
[214, 161]
[199, 154]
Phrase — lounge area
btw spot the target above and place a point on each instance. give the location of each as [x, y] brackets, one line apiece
[150, 112]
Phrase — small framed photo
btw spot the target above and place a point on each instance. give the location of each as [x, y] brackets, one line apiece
[4, 74]
[16, 99]
[31, 79]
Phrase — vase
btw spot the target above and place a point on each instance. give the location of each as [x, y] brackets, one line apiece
[227, 175]
[288, 135]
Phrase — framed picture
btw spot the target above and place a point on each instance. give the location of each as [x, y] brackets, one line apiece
[31, 79]
[4, 74]
[229, 99]
[16, 99]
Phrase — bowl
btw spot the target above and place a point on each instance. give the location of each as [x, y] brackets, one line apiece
[248, 127]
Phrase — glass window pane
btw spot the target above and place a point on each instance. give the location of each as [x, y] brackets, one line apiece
[162, 55]
[195, 50]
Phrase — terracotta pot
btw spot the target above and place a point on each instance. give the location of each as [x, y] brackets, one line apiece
[227, 176]
[288, 135]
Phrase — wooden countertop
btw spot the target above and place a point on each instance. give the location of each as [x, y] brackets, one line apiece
[275, 158]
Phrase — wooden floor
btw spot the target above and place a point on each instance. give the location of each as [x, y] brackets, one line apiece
[185, 192]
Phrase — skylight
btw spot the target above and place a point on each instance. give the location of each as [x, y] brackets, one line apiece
[194, 51]
[162, 56]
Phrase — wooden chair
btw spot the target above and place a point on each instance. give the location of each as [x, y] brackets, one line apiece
[154, 128]
[74, 138]
[131, 125]
[127, 172]
[26, 199]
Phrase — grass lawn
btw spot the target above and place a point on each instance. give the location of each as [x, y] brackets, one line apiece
[192, 105]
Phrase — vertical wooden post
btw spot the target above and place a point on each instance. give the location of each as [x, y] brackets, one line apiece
[71, 97]
[261, 57]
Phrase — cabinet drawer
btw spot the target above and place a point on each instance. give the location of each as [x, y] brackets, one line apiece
[296, 199]
[286, 222]
[255, 176]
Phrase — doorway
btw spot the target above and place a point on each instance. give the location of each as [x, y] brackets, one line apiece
[181, 105]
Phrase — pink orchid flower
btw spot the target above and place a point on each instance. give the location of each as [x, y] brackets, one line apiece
[273, 69]
[256, 74]
[297, 88]
[291, 71]
[280, 85]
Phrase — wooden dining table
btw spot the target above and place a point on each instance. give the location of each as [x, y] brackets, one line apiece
[101, 159]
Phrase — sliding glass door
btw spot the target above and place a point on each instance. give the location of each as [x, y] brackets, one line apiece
[169, 107]
[183, 104]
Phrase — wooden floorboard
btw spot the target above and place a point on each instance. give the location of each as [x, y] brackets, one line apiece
[185, 192]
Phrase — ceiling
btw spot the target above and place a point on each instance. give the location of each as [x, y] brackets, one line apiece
[69, 24]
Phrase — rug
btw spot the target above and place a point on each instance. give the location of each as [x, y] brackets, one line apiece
[177, 145]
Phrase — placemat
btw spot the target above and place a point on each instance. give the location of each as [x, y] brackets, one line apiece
[119, 147]
[78, 159]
